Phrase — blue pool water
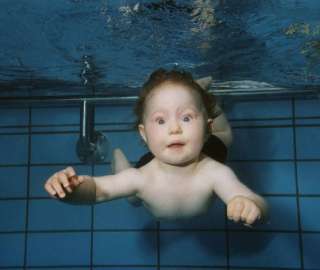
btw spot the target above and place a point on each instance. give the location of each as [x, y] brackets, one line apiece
[49, 46]
[92, 47]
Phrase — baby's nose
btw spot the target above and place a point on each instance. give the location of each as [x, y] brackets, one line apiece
[175, 127]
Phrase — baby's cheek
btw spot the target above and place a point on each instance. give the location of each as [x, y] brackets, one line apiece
[151, 131]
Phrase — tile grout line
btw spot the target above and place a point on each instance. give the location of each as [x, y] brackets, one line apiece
[158, 245]
[227, 235]
[92, 225]
[297, 184]
[28, 191]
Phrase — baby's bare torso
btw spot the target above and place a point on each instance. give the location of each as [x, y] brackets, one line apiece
[176, 196]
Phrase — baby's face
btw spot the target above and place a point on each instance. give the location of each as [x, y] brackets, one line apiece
[174, 124]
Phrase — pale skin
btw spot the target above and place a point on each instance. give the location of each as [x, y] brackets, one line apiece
[180, 181]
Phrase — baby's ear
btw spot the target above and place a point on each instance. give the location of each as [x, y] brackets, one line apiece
[142, 132]
[205, 82]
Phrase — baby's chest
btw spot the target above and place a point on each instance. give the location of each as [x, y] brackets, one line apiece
[174, 201]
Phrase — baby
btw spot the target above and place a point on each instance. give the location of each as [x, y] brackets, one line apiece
[175, 115]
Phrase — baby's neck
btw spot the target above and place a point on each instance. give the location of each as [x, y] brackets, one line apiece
[178, 170]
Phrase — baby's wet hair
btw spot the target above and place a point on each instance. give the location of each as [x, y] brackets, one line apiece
[181, 77]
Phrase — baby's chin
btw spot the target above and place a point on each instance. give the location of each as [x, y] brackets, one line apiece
[180, 162]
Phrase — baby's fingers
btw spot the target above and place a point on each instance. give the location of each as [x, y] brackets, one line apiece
[238, 209]
[49, 188]
[57, 186]
[230, 209]
[253, 216]
[64, 180]
[69, 172]
[235, 210]
[246, 212]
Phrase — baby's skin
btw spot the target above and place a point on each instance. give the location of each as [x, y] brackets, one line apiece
[183, 195]
[170, 196]
[180, 181]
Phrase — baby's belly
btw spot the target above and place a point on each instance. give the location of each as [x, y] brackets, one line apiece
[166, 208]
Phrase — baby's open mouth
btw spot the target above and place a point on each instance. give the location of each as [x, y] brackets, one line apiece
[176, 145]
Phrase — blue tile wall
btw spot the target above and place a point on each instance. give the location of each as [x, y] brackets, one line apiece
[198, 248]
[54, 249]
[45, 146]
[311, 246]
[114, 114]
[308, 138]
[271, 177]
[262, 143]
[270, 109]
[269, 250]
[13, 181]
[191, 268]
[56, 116]
[310, 214]
[128, 248]
[14, 149]
[60, 268]
[14, 117]
[53, 215]
[124, 268]
[275, 152]
[13, 215]
[308, 177]
[307, 108]
[12, 249]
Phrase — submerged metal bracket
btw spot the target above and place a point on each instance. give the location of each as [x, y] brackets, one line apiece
[92, 145]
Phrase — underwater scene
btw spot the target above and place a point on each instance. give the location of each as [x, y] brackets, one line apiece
[70, 71]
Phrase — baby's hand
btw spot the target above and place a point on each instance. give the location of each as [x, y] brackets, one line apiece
[63, 181]
[244, 209]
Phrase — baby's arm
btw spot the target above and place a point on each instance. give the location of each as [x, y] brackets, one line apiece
[68, 187]
[242, 203]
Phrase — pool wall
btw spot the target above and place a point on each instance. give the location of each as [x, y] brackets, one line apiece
[276, 152]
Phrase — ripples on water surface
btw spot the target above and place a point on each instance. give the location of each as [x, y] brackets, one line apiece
[80, 46]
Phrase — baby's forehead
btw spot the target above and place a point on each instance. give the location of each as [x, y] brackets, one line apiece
[174, 88]
[173, 95]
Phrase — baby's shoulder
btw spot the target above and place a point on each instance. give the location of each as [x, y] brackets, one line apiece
[149, 169]
[144, 172]
[213, 167]
[131, 173]
[209, 164]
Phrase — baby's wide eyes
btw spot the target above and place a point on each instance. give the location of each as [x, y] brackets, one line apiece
[160, 121]
[187, 118]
